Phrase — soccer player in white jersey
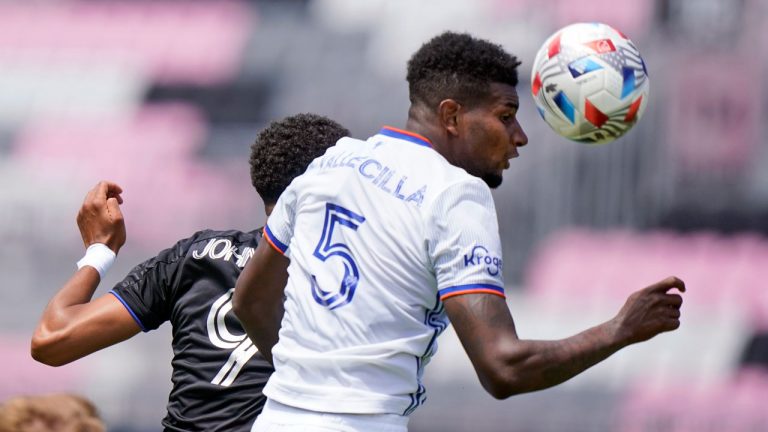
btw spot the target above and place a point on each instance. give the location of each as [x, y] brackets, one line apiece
[380, 243]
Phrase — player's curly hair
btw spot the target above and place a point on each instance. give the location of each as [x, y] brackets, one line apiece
[285, 148]
[458, 66]
[50, 412]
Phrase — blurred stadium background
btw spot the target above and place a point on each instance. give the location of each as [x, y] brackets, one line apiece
[165, 97]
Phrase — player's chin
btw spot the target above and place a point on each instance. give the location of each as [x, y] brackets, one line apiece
[492, 180]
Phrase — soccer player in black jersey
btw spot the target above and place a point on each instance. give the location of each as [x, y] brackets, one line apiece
[218, 374]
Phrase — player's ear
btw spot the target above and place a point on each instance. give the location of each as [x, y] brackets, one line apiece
[448, 112]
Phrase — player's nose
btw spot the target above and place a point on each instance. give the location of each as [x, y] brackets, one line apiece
[518, 136]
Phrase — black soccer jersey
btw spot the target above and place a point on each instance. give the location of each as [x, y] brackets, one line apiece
[218, 374]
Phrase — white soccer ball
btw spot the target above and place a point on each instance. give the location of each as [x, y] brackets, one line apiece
[590, 83]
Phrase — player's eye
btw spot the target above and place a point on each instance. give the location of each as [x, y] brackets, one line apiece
[507, 117]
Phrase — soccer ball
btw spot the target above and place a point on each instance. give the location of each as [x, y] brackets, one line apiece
[590, 83]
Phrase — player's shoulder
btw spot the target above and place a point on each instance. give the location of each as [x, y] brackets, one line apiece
[346, 142]
[452, 187]
[444, 177]
[452, 176]
[424, 167]
[345, 146]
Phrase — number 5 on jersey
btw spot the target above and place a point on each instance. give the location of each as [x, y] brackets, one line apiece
[337, 217]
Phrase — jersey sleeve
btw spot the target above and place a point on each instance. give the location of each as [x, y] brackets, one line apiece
[147, 291]
[463, 241]
[279, 228]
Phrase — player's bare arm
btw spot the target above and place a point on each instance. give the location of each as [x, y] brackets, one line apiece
[507, 365]
[73, 325]
[258, 298]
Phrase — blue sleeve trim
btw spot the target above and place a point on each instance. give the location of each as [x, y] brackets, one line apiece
[471, 289]
[282, 247]
[130, 311]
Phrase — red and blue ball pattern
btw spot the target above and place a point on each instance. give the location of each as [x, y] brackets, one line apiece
[590, 83]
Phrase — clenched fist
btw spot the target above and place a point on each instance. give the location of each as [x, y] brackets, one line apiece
[100, 219]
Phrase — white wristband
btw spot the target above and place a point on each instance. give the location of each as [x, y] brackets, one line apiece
[98, 256]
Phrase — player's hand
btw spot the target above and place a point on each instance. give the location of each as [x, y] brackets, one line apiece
[650, 311]
[100, 219]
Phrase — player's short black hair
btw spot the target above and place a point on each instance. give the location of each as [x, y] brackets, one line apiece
[285, 148]
[458, 66]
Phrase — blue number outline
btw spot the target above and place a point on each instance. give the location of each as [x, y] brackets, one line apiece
[337, 215]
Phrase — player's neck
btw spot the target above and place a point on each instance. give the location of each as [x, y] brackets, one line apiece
[426, 127]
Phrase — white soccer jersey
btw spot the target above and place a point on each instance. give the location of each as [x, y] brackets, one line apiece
[378, 232]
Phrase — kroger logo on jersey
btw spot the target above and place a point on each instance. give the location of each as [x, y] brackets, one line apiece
[481, 257]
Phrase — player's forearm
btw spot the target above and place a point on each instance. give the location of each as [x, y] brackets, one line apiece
[535, 365]
[52, 338]
[259, 313]
[260, 319]
[258, 298]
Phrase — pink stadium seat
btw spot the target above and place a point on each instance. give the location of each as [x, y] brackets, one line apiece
[566, 250]
[647, 408]
[180, 41]
[752, 384]
[755, 291]
[628, 16]
[703, 121]
[721, 272]
[169, 191]
[154, 135]
[735, 404]
[660, 252]
[21, 375]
